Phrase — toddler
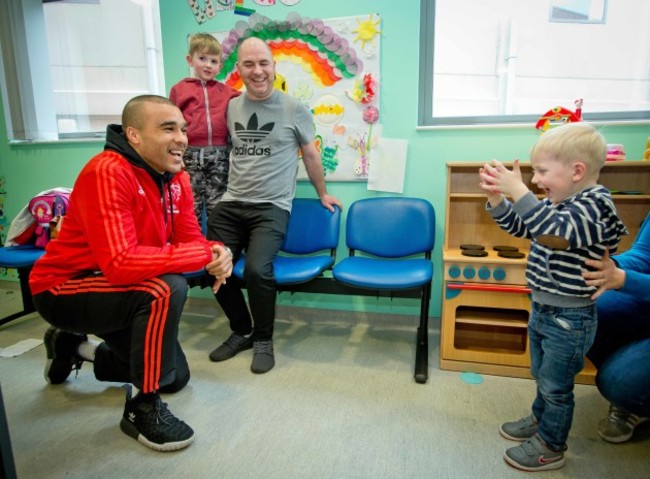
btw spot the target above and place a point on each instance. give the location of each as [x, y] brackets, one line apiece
[575, 221]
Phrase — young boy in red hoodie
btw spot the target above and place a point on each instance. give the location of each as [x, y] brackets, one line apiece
[203, 101]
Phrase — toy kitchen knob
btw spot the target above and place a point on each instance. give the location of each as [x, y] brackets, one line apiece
[499, 274]
[484, 273]
[454, 272]
[469, 272]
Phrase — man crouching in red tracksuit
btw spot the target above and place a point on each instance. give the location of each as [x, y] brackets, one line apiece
[115, 269]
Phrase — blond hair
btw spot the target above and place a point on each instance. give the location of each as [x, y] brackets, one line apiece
[574, 142]
[204, 43]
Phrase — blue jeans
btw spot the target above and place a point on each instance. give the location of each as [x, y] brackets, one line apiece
[559, 338]
[621, 351]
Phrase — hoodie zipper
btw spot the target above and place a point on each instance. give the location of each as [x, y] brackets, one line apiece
[207, 111]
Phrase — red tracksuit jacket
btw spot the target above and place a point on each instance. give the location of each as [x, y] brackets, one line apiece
[125, 220]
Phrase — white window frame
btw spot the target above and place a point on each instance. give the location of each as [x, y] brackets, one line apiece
[25, 81]
[427, 117]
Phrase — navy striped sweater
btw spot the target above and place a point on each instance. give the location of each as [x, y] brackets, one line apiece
[586, 221]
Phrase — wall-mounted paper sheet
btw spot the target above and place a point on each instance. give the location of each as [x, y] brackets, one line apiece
[388, 166]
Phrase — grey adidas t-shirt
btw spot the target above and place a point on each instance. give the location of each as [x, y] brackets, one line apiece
[266, 136]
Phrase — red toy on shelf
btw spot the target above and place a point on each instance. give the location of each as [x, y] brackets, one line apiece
[559, 116]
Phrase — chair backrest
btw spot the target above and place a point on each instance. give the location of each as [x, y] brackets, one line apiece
[312, 228]
[391, 227]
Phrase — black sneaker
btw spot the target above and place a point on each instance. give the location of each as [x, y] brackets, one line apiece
[236, 343]
[61, 350]
[263, 359]
[152, 424]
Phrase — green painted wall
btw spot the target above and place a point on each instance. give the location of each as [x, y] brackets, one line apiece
[29, 169]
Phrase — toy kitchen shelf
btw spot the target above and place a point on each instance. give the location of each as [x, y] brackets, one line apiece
[485, 304]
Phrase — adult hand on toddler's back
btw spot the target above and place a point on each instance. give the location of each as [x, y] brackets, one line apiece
[606, 275]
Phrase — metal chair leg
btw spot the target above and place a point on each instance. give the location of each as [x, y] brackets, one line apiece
[28, 304]
[422, 346]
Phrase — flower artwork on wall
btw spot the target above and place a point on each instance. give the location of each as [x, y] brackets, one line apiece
[332, 66]
[203, 10]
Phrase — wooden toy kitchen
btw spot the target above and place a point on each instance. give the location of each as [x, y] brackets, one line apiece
[485, 303]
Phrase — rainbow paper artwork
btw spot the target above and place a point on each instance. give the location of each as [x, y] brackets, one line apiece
[241, 10]
[321, 51]
[331, 65]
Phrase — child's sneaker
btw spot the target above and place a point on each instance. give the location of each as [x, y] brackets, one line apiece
[147, 419]
[534, 455]
[62, 357]
[619, 425]
[520, 430]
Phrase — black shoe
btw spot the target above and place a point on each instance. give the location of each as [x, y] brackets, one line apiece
[61, 349]
[236, 343]
[263, 359]
[147, 419]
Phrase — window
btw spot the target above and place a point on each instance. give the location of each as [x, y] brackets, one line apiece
[511, 61]
[78, 61]
[578, 11]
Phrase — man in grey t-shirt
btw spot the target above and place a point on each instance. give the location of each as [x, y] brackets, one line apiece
[267, 128]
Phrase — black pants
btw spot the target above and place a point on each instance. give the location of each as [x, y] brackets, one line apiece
[259, 228]
[138, 323]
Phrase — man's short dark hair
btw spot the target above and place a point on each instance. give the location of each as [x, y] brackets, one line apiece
[132, 113]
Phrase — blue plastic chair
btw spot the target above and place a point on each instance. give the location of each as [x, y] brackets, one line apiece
[312, 229]
[21, 258]
[388, 233]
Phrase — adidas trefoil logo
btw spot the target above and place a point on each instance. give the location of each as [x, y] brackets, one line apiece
[132, 417]
[251, 133]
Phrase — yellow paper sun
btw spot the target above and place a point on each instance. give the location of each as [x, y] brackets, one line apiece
[367, 31]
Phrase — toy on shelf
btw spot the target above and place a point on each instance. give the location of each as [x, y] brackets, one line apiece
[646, 155]
[559, 116]
[615, 152]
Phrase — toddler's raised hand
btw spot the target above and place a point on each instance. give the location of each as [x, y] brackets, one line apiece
[494, 196]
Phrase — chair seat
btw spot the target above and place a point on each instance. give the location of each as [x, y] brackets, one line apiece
[19, 256]
[312, 229]
[292, 270]
[374, 273]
